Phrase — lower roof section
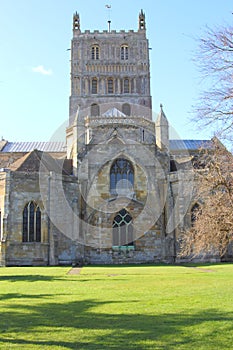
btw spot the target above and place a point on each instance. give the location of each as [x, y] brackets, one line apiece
[57, 147]
[31, 146]
[190, 145]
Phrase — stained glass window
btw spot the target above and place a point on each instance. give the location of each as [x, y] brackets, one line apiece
[122, 229]
[121, 176]
[31, 223]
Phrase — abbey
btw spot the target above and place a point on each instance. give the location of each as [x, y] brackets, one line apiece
[119, 190]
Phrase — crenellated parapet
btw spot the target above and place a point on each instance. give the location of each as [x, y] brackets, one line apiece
[141, 27]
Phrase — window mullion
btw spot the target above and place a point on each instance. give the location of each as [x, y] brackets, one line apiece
[28, 223]
[35, 219]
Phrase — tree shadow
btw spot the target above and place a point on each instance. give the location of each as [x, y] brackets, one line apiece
[18, 296]
[42, 278]
[29, 278]
[106, 331]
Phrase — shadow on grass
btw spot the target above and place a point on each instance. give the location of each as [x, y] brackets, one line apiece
[41, 278]
[76, 325]
[28, 278]
[18, 296]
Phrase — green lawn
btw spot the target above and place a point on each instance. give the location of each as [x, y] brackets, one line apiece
[139, 307]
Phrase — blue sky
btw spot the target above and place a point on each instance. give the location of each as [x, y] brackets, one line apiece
[35, 67]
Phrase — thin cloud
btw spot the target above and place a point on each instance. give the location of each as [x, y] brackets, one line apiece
[41, 70]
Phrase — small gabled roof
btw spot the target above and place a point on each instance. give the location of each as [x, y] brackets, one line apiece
[114, 112]
[37, 161]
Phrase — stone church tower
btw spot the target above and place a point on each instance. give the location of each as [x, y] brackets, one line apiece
[121, 167]
[109, 70]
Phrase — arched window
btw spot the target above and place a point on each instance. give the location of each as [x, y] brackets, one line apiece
[126, 86]
[126, 109]
[110, 86]
[173, 166]
[124, 52]
[122, 228]
[95, 52]
[94, 86]
[95, 110]
[121, 177]
[31, 223]
[195, 211]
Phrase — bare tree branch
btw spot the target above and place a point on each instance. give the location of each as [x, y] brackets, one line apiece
[215, 60]
[212, 229]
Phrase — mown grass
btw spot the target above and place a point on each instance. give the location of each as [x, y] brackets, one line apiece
[128, 307]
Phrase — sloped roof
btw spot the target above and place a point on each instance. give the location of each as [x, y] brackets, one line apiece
[31, 146]
[50, 147]
[36, 161]
[2, 144]
[190, 145]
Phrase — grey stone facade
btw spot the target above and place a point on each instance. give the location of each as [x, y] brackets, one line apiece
[119, 191]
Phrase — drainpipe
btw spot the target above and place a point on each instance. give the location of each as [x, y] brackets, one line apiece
[5, 217]
[48, 214]
[174, 224]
